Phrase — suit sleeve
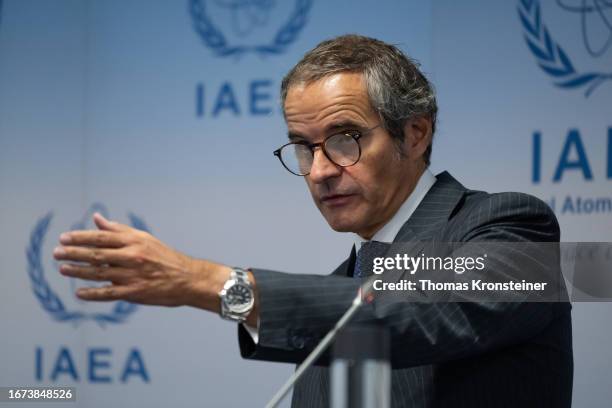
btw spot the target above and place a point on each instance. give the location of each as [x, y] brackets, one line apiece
[296, 311]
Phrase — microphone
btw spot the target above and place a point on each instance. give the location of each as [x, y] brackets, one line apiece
[365, 291]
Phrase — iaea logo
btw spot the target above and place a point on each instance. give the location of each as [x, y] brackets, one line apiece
[263, 27]
[47, 297]
[595, 20]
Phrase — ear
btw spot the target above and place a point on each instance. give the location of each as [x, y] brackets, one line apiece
[417, 136]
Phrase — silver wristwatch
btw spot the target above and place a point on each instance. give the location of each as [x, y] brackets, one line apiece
[237, 296]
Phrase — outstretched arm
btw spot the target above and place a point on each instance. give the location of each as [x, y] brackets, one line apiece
[141, 269]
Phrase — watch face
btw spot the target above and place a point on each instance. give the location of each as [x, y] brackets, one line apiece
[239, 298]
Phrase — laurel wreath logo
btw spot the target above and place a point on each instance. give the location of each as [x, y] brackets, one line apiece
[214, 38]
[49, 300]
[551, 58]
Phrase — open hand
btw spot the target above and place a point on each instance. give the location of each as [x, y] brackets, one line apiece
[139, 267]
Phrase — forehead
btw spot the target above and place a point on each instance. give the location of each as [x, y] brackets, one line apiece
[336, 97]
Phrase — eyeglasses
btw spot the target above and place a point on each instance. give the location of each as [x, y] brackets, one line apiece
[342, 149]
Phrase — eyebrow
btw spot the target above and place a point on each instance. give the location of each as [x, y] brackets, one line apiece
[344, 124]
[295, 137]
[334, 126]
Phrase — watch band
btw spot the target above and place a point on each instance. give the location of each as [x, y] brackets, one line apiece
[241, 275]
[238, 277]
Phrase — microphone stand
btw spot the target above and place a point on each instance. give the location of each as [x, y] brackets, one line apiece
[364, 290]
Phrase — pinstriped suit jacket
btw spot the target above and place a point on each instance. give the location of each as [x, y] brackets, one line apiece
[443, 354]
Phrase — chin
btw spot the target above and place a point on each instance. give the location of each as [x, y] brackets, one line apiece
[341, 228]
[343, 219]
[340, 225]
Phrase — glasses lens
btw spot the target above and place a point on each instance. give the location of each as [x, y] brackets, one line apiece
[297, 158]
[342, 149]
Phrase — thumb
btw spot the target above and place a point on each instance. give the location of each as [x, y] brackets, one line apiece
[104, 224]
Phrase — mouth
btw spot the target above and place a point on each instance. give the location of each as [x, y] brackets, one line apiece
[337, 200]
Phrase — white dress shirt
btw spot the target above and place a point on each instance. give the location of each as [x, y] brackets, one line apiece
[388, 232]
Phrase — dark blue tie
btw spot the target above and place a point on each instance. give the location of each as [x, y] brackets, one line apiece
[365, 257]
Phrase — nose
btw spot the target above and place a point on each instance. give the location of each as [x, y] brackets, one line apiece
[322, 168]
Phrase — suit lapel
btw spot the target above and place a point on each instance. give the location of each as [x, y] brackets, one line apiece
[430, 216]
[434, 210]
[346, 267]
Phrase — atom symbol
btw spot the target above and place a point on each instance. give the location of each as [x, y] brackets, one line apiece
[594, 21]
[247, 14]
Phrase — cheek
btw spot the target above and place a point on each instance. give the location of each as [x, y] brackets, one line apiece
[374, 178]
[381, 184]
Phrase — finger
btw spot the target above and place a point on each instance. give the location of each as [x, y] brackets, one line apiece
[96, 273]
[107, 225]
[104, 239]
[105, 293]
[94, 256]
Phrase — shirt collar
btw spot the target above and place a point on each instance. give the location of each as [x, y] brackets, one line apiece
[388, 232]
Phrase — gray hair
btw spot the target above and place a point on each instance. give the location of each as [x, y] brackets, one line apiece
[396, 88]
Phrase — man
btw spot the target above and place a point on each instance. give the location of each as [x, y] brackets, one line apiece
[361, 118]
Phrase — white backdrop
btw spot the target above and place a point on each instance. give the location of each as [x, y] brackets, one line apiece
[165, 114]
